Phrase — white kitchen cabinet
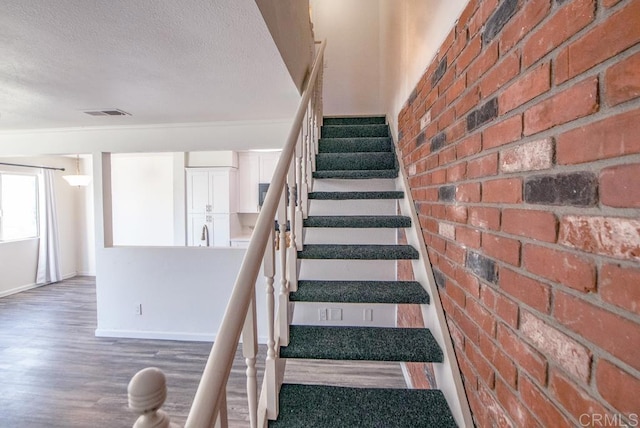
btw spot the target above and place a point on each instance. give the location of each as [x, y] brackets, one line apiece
[253, 168]
[211, 202]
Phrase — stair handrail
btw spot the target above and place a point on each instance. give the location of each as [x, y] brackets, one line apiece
[211, 389]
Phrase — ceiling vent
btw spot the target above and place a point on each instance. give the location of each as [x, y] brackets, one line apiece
[107, 112]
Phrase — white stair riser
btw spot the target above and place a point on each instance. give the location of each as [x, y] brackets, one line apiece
[353, 207]
[322, 235]
[308, 313]
[365, 270]
[353, 185]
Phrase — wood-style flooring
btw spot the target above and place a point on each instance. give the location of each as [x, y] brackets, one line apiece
[54, 372]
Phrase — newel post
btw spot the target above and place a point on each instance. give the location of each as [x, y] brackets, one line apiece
[147, 391]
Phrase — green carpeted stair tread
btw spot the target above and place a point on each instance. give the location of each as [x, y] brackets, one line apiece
[322, 406]
[408, 292]
[355, 161]
[357, 221]
[362, 343]
[347, 131]
[357, 174]
[358, 252]
[354, 120]
[355, 145]
[341, 196]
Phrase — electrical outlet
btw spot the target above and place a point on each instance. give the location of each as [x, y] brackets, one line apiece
[335, 314]
[322, 314]
[138, 309]
[368, 314]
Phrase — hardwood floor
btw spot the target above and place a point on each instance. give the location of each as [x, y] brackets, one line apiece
[55, 373]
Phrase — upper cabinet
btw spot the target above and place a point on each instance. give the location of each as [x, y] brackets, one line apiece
[211, 190]
[254, 168]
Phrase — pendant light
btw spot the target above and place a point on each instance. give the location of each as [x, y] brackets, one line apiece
[78, 179]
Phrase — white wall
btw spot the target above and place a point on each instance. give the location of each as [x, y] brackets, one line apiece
[183, 291]
[143, 200]
[18, 259]
[411, 31]
[352, 57]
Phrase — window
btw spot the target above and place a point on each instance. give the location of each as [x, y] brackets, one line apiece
[18, 206]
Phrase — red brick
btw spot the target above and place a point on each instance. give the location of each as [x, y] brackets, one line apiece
[457, 213]
[528, 291]
[505, 131]
[614, 136]
[457, 47]
[608, 236]
[468, 282]
[487, 7]
[617, 33]
[484, 217]
[620, 286]
[546, 412]
[525, 357]
[481, 316]
[469, 146]
[446, 118]
[573, 398]
[500, 74]
[503, 190]
[439, 176]
[468, 192]
[468, 237]
[468, 327]
[467, 13]
[483, 166]
[498, 359]
[531, 156]
[480, 364]
[530, 85]
[578, 101]
[468, 374]
[566, 22]
[468, 101]
[573, 357]
[457, 294]
[514, 407]
[507, 310]
[540, 225]
[469, 53]
[457, 130]
[446, 156]
[455, 253]
[498, 247]
[560, 266]
[484, 62]
[618, 387]
[622, 81]
[520, 25]
[613, 333]
[456, 89]
[618, 187]
[489, 413]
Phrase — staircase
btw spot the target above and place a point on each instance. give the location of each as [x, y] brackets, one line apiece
[355, 182]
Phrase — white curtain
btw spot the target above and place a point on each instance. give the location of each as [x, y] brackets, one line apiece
[49, 254]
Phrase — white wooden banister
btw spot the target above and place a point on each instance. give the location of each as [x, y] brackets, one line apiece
[292, 178]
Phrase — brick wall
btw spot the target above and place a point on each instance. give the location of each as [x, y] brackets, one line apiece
[522, 147]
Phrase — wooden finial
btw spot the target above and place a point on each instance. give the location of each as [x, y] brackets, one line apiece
[147, 391]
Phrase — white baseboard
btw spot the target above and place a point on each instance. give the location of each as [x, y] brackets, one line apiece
[407, 376]
[162, 335]
[19, 289]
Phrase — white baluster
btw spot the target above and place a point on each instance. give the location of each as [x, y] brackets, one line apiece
[283, 298]
[222, 421]
[301, 197]
[147, 392]
[249, 351]
[292, 248]
[304, 190]
[269, 268]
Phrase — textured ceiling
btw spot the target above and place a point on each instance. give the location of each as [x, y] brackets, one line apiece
[163, 61]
